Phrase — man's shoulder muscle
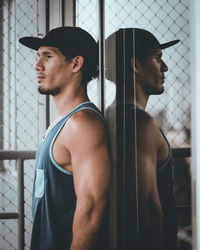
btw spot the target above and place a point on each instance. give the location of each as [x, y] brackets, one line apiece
[146, 124]
[85, 125]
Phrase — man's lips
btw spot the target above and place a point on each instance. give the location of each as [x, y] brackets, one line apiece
[162, 78]
[40, 77]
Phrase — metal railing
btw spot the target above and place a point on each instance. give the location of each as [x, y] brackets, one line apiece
[19, 156]
[181, 152]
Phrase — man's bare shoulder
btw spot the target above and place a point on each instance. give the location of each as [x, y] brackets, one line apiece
[145, 120]
[147, 128]
[86, 119]
[85, 125]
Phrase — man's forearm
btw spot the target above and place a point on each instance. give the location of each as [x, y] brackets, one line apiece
[86, 225]
[151, 229]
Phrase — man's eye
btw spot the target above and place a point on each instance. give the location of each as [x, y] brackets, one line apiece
[49, 56]
[158, 57]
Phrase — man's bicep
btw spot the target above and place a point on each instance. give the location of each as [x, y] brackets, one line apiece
[147, 166]
[91, 163]
[92, 173]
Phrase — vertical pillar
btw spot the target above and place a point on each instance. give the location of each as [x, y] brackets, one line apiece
[101, 10]
[195, 76]
[69, 12]
[1, 83]
[20, 178]
[47, 14]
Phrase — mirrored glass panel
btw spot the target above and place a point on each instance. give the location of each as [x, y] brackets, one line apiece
[149, 123]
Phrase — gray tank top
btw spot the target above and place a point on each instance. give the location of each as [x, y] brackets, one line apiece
[54, 198]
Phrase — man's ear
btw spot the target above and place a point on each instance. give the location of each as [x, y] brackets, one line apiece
[134, 64]
[77, 63]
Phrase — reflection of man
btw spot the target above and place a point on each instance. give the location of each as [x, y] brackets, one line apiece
[144, 75]
[72, 165]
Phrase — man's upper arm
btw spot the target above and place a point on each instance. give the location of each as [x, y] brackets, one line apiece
[147, 147]
[90, 158]
[150, 210]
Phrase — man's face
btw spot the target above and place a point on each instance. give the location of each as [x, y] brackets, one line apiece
[152, 71]
[53, 71]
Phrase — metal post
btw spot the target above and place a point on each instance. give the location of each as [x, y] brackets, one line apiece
[195, 76]
[47, 14]
[69, 13]
[20, 172]
[1, 83]
[101, 8]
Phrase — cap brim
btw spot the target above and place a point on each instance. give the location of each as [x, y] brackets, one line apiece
[35, 42]
[169, 44]
[31, 42]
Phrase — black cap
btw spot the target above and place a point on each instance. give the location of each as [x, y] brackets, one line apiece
[66, 38]
[71, 41]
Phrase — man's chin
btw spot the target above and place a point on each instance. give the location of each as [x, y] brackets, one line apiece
[52, 92]
[156, 91]
[160, 92]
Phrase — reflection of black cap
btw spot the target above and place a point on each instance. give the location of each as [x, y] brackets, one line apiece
[127, 42]
[146, 40]
[65, 38]
[140, 42]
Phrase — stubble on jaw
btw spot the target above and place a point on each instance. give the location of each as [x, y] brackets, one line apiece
[52, 92]
[155, 92]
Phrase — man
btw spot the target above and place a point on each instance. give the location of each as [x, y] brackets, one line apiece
[73, 167]
[140, 72]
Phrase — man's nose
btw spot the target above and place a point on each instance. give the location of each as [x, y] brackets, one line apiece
[39, 65]
[164, 67]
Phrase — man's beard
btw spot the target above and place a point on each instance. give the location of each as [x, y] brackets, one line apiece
[155, 91]
[52, 92]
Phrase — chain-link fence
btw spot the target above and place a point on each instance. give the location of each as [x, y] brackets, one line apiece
[21, 109]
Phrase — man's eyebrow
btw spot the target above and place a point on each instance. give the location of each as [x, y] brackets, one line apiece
[46, 52]
[158, 53]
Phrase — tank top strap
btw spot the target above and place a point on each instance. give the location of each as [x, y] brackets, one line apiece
[168, 160]
[131, 105]
[84, 106]
[56, 129]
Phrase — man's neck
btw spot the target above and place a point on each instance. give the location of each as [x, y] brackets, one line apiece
[140, 99]
[69, 98]
[141, 102]
[137, 94]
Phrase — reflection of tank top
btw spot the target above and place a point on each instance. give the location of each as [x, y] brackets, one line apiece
[54, 198]
[165, 189]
